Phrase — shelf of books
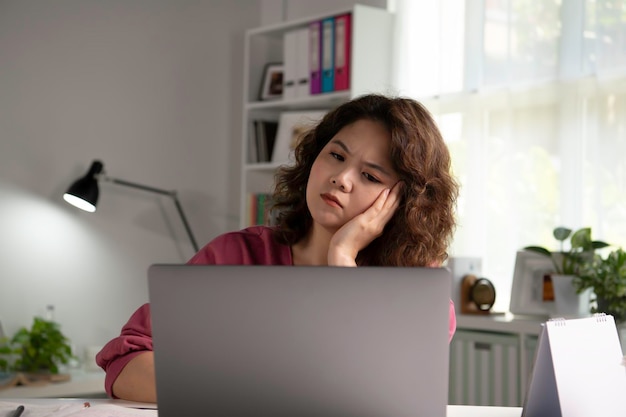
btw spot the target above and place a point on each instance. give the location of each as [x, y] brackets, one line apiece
[294, 72]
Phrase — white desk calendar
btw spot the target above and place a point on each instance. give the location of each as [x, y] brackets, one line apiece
[579, 370]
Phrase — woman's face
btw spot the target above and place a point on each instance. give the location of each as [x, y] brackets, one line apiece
[349, 174]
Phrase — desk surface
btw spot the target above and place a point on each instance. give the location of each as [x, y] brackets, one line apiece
[81, 384]
[129, 409]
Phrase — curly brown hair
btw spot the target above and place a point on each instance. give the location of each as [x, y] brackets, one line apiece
[421, 228]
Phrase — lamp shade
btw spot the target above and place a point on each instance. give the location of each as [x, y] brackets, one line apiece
[83, 193]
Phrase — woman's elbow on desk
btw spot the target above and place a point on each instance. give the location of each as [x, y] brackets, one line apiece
[136, 382]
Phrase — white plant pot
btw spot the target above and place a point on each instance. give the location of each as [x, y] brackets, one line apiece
[621, 334]
[567, 303]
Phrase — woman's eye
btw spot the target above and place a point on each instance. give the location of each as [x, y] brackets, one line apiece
[370, 178]
[336, 156]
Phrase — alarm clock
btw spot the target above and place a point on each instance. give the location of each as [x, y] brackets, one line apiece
[478, 295]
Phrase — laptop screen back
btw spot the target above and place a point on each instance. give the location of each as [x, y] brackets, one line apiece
[300, 341]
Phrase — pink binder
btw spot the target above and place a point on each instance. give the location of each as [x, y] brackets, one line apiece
[342, 51]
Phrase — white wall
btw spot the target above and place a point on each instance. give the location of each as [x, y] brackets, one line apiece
[153, 89]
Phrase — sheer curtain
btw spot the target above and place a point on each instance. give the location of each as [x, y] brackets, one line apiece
[531, 98]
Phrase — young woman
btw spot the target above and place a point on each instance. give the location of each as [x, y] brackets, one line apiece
[371, 185]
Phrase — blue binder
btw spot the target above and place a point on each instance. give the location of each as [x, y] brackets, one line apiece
[328, 55]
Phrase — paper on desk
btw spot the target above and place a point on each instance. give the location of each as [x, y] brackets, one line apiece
[75, 410]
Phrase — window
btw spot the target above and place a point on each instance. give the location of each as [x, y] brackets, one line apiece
[531, 98]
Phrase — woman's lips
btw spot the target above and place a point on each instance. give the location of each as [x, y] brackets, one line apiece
[331, 201]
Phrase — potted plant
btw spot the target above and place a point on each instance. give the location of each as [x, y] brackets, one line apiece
[581, 249]
[37, 351]
[606, 277]
[567, 266]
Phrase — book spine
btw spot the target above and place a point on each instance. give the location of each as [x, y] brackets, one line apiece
[303, 88]
[342, 51]
[260, 212]
[315, 52]
[252, 209]
[328, 54]
[290, 65]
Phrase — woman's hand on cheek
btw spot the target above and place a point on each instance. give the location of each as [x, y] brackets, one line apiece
[364, 228]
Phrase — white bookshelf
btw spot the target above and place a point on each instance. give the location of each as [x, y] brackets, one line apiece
[370, 72]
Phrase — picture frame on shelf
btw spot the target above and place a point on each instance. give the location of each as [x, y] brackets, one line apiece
[272, 82]
[531, 292]
[291, 126]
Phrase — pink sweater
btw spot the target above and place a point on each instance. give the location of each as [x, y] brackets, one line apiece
[251, 246]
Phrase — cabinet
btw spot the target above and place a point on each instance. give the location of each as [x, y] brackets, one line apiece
[370, 71]
[491, 359]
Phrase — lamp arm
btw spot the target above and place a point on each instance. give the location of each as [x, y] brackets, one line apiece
[168, 193]
[138, 186]
[185, 223]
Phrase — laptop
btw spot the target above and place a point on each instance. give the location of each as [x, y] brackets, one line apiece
[300, 341]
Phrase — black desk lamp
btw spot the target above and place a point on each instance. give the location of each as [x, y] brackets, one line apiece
[83, 193]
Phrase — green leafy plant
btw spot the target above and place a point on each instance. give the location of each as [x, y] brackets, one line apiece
[38, 349]
[581, 250]
[607, 278]
[5, 353]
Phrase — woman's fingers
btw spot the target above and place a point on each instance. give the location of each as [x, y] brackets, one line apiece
[364, 228]
[384, 206]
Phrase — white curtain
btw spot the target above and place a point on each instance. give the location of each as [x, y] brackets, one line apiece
[531, 99]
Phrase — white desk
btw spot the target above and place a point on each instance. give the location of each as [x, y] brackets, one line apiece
[453, 410]
[81, 384]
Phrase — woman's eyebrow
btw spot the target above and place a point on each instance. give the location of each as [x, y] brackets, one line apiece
[379, 168]
[342, 145]
[372, 165]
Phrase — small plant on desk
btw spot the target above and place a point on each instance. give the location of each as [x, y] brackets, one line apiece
[36, 351]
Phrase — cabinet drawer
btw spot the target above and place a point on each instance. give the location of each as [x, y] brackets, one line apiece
[484, 369]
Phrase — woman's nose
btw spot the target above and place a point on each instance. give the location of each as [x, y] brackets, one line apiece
[343, 181]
